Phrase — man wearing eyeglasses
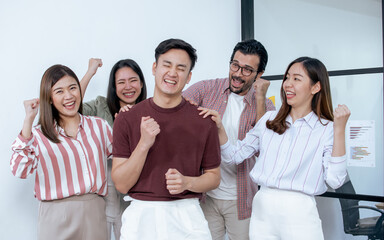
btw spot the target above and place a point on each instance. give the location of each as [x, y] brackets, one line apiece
[241, 100]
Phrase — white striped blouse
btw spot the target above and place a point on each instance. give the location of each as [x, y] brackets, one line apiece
[75, 166]
[298, 160]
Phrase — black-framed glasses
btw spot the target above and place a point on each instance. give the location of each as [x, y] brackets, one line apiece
[246, 71]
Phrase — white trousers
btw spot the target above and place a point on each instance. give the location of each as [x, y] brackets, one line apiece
[164, 220]
[284, 215]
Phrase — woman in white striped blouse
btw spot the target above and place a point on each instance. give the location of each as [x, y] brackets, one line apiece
[301, 149]
[68, 152]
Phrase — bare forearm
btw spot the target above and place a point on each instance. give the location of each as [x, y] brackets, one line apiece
[93, 65]
[223, 138]
[338, 149]
[126, 171]
[260, 108]
[26, 132]
[84, 82]
[209, 180]
[341, 115]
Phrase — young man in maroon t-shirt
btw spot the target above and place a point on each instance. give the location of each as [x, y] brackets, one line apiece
[165, 154]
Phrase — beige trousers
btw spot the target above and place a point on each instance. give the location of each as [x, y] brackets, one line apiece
[115, 206]
[76, 218]
[223, 219]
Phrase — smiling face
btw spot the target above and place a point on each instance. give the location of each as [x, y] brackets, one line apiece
[66, 97]
[128, 86]
[172, 73]
[299, 88]
[238, 83]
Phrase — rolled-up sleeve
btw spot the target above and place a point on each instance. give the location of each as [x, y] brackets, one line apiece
[335, 168]
[24, 159]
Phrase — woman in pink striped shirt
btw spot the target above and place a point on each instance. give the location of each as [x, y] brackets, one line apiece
[68, 152]
[301, 150]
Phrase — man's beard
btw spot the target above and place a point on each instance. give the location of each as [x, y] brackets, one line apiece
[244, 88]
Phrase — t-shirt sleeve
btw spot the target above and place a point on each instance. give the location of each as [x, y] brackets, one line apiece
[121, 147]
[211, 156]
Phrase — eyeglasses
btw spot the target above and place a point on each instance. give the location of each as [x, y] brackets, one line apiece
[246, 71]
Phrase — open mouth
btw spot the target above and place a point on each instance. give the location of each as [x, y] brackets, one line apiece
[129, 94]
[70, 105]
[170, 82]
[289, 94]
[237, 82]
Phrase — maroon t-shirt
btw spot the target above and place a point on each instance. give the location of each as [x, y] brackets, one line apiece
[186, 142]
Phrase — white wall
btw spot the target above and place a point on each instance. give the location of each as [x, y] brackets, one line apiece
[343, 34]
[38, 34]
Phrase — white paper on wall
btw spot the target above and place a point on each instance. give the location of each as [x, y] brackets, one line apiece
[360, 143]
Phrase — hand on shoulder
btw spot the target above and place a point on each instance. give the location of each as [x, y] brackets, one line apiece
[215, 116]
[125, 108]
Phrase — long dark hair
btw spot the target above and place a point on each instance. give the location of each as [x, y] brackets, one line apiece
[48, 112]
[321, 102]
[113, 100]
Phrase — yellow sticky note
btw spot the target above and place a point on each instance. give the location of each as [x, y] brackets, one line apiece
[272, 98]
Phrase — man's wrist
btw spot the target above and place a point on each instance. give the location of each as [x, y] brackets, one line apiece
[260, 97]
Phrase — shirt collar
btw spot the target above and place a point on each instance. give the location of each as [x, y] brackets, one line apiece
[311, 119]
[61, 131]
[81, 124]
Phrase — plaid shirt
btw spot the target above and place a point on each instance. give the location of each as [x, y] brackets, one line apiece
[213, 94]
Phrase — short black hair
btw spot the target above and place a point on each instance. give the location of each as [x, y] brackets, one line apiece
[173, 43]
[252, 47]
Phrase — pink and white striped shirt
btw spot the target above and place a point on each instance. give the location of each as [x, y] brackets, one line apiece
[75, 166]
[298, 160]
